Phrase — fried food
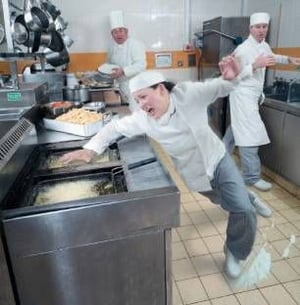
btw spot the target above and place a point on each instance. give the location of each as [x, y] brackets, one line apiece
[80, 116]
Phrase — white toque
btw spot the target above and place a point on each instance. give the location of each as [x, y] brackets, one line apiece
[116, 20]
[144, 80]
[258, 18]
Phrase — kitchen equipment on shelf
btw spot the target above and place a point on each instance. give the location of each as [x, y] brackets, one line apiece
[78, 93]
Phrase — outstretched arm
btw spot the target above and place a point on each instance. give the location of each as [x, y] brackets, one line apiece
[294, 60]
[263, 61]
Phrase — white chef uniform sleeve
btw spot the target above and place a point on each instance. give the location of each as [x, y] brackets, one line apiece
[127, 126]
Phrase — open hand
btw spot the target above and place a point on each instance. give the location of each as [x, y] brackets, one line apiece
[294, 60]
[117, 72]
[85, 155]
[263, 61]
[229, 67]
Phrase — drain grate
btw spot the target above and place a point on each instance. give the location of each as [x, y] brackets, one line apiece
[12, 140]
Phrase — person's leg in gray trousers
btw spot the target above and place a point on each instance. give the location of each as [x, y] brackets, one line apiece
[250, 164]
[228, 140]
[229, 190]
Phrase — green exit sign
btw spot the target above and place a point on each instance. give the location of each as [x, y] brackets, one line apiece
[14, 97]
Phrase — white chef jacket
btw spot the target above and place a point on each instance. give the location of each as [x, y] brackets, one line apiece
[131, 56]
[247, 127]
[183, 131]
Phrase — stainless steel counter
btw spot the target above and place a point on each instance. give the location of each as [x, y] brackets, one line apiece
[112, 249]
[282, 121]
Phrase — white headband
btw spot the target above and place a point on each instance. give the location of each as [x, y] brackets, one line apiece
[145, 80]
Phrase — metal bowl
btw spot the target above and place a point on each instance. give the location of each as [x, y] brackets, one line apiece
[95, 106]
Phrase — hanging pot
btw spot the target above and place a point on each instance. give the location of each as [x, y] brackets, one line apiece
[52, 40]
[68, 41]
[51, 9]
[37, 19]
[56, 43]
[33, 41]
[60, 24]
[19, 29]
[57, 58]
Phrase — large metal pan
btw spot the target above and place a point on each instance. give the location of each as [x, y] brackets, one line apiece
[19, 29]
[37, 19]
[57, 59]
[51, 9]
[52, 40]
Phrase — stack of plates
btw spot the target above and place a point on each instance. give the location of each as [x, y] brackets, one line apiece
[107, 69]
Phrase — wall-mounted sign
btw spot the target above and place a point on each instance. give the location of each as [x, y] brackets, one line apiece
[163, 60]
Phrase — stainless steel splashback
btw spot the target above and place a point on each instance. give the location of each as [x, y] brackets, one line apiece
[215, 45]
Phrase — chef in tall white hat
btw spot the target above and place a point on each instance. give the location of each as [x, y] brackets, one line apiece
[126, 57]
[247, 130]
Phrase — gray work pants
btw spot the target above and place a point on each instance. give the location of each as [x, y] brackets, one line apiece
[250, 161]
[230, 192]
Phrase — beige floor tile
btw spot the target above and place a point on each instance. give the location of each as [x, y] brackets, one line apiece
[291, 214]
[178, 251]
[188, 232]
[278, 204]
[278, 218]
[203, 303]
[191, 207]
[253, 297]
[221, 225]
[219, 259]
[215, 285]
[176, 298]
[195, 247]
[198, 217]
[277, 295]
[183, 269]
[297, 224]
[187, 197]
[284, 272]
[295, 263]
[185, 219]
[288, 229]
[191, 291]
[229, 300]
[205, 265]
[199, 196]
[175, 236]
[271, 280]
[206, 229]
[214, 243]
[281, 245]
[272, 234]
[294, 289]
[216, 214]
[206, 204]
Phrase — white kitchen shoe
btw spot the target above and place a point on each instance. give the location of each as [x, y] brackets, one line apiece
[232, 264]
[262, 185]
[261, 207]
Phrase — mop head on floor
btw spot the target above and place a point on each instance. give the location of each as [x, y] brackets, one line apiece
[256, 268]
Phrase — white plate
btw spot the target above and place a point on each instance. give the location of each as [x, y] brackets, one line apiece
[107, 68]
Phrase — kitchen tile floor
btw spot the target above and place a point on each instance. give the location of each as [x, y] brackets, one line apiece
[197, 251]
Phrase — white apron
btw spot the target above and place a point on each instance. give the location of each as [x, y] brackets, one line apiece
[247, 126]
